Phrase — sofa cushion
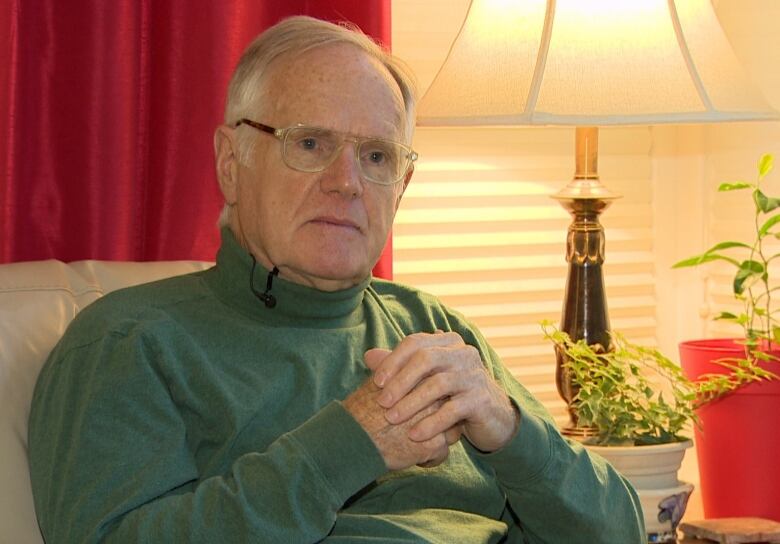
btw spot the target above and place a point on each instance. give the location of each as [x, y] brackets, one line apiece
[37, 302]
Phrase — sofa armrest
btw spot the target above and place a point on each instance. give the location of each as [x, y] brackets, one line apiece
[38, 300]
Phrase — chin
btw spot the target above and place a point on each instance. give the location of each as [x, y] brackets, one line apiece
[332, 268]
[337, 261]
[343, 274]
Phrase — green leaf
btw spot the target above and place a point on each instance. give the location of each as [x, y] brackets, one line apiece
[734, 186]
[765, 204]
[776, 333]
[704, 258]
[771, 222]
[693, 261]
[617, 394]
[725, 245]
[711, 255]
[747, 270]
[725, 315]
[765, 165]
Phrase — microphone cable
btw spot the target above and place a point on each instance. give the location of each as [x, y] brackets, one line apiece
[268, 299]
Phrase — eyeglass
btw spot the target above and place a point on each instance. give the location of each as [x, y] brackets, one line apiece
[313, 149]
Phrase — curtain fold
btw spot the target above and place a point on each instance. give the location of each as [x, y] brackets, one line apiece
[106, 143]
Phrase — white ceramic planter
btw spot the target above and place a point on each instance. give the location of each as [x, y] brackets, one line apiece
[652, 470]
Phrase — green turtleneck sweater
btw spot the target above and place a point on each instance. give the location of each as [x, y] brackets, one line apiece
[186, 411]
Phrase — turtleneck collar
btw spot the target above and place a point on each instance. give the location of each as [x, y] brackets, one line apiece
[296, 305]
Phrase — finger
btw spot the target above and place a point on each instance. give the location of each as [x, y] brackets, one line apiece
[433, 462]
[437, 387]
[374, 357]
[438, 449]
[450, 415]
[422, 365]
[457, 359]
[407, 348]
[453, 434]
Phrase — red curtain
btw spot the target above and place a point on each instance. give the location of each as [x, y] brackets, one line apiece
[109, 113]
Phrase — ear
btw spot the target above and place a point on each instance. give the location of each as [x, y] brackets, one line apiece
[406, 181]
[226, 159]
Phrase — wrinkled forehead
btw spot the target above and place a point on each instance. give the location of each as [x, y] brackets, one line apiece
[335, 86]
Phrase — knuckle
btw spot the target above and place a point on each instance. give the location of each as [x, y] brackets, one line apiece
[453, 435]
[425, 357]
[438, 443]
[472, 353]
[454, 337]
[414, 340]
[478, 374]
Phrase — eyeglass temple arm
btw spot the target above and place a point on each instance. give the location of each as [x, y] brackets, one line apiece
[258, 126]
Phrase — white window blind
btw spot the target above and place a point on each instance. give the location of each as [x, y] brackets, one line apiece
[477, 227]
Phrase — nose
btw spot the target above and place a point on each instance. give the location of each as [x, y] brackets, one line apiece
[343, 174]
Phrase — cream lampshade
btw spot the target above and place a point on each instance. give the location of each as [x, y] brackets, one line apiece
[589, 63]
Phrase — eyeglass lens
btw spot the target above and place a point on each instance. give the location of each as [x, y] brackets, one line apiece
[312, 149]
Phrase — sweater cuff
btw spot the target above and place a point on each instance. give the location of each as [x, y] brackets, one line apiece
[525, 456]
[341, 450]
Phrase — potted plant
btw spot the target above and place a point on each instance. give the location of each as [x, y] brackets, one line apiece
[739, 438]
[641, 405]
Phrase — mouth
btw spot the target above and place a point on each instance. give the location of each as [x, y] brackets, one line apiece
[329, 221]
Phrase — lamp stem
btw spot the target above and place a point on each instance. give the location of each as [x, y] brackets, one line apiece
[584, 313]
[586, 144]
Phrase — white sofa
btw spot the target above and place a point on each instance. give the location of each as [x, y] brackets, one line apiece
[37, 301]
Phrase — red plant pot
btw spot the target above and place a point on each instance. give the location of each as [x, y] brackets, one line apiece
[738, 445]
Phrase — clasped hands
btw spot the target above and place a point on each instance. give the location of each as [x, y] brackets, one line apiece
[427, 393]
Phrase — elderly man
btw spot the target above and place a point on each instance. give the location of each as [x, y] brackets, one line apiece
[284, 395]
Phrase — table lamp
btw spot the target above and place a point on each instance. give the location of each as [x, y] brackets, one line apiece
[589, 63]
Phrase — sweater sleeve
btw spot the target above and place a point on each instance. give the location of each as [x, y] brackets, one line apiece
[557, 490]
[110, 461]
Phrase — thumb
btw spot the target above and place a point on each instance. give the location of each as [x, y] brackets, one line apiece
[374, 357]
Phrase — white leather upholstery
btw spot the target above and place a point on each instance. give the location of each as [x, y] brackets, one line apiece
[37, 301]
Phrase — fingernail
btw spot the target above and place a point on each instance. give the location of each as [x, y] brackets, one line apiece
[385, 399]
[392, 415]
[380, 378]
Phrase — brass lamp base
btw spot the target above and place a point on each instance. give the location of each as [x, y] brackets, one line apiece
[585, 305]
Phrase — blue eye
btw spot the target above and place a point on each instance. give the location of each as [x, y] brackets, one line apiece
[377, 157]
[378, 153]
[309, 143]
